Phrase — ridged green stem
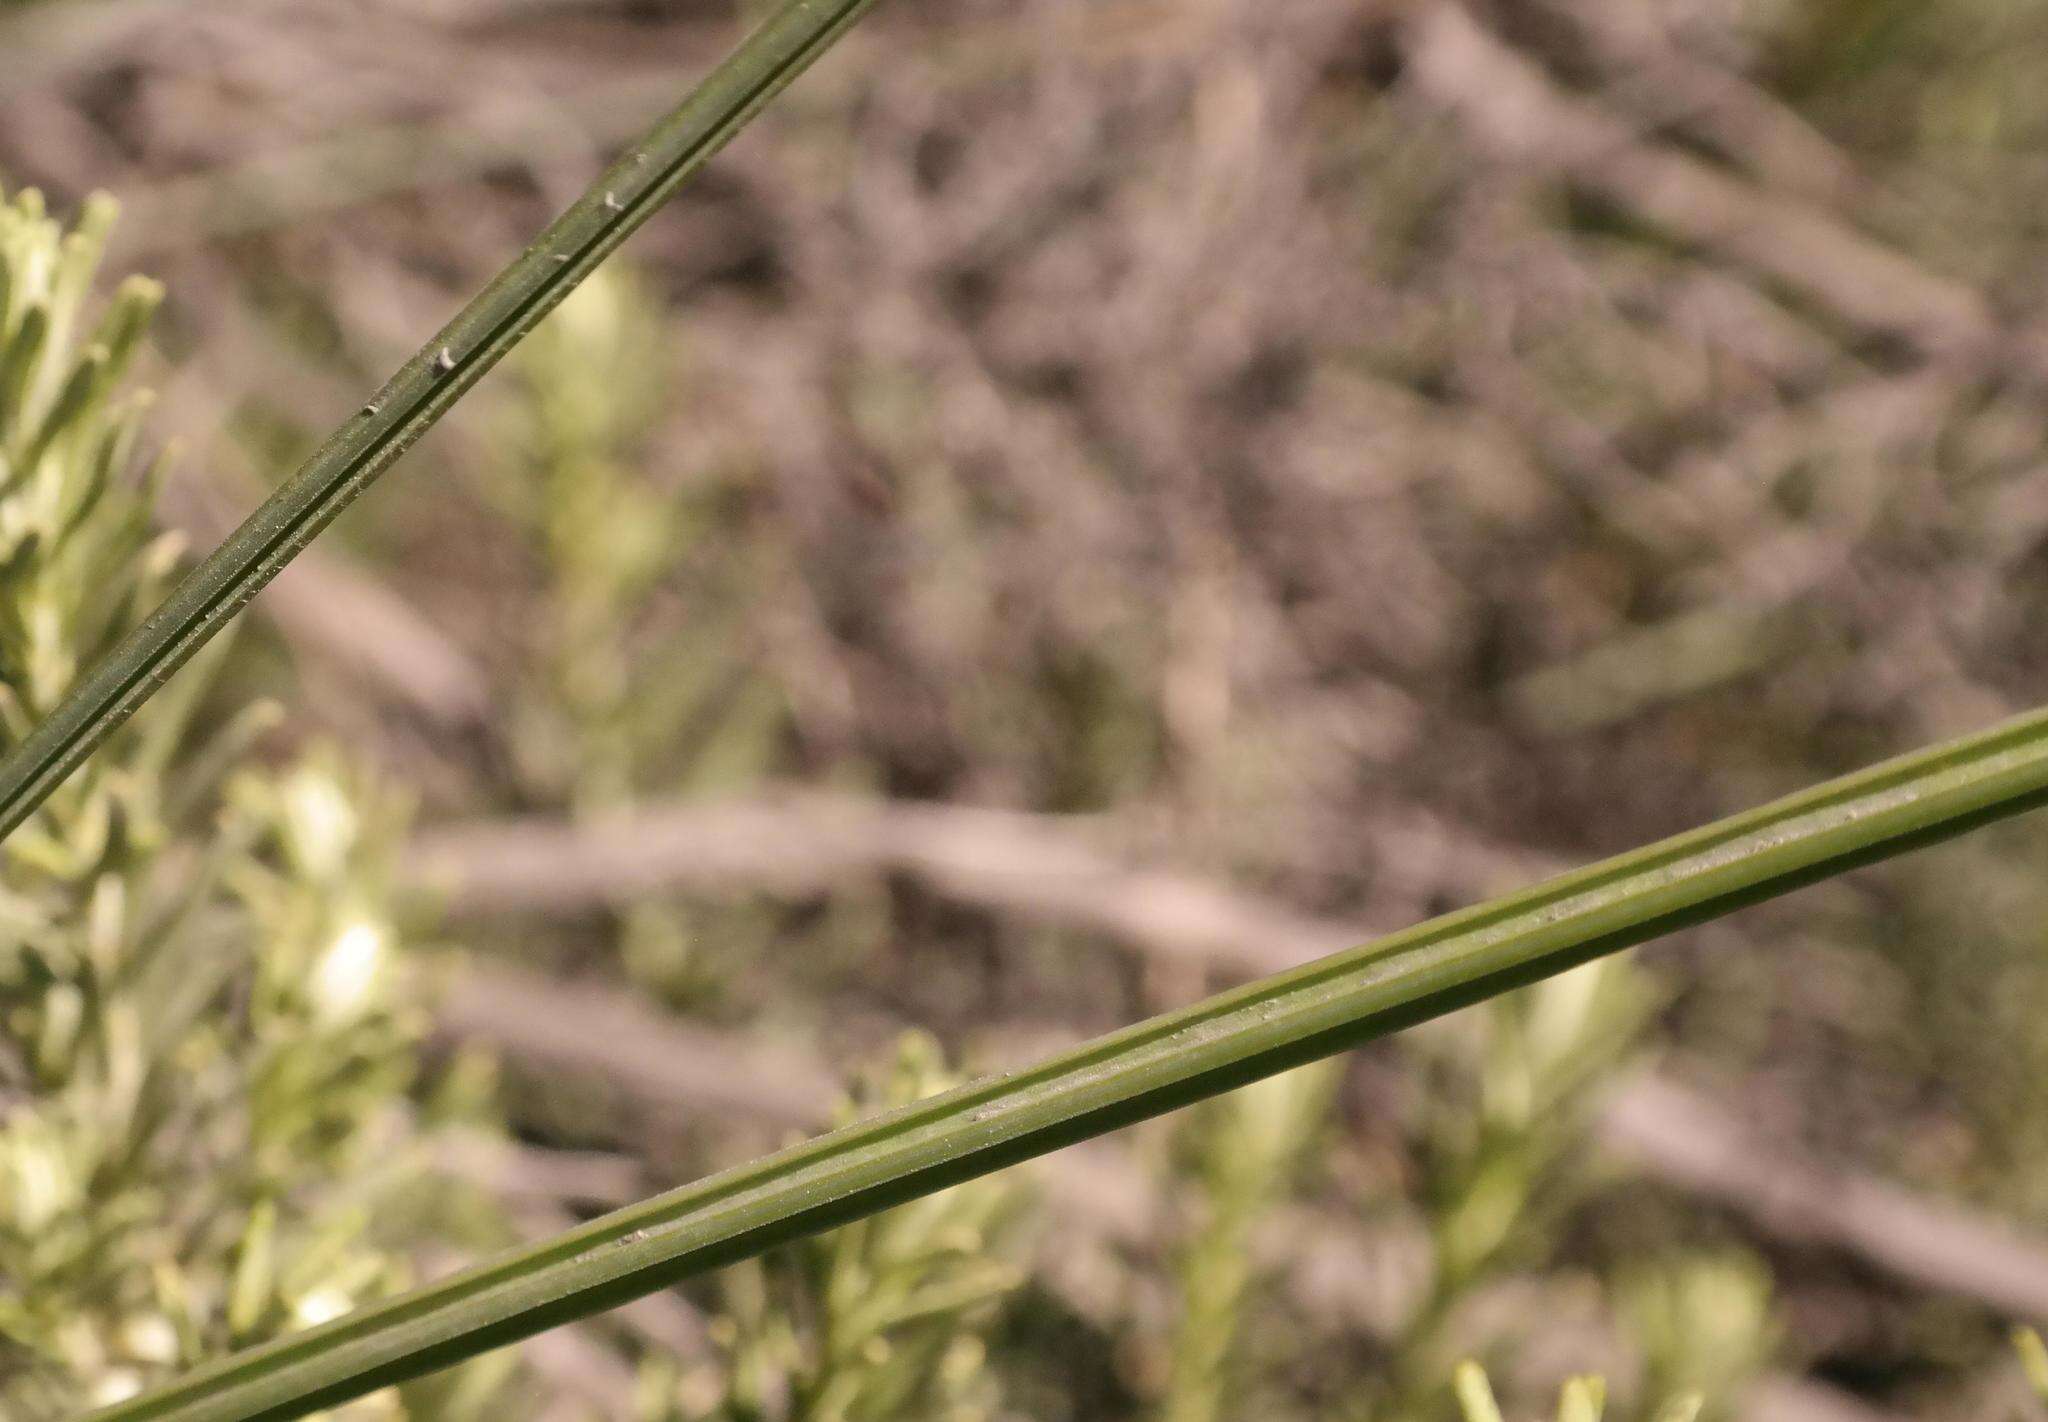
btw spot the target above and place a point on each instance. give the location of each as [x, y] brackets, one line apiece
[1252, 1032]
[422, 391]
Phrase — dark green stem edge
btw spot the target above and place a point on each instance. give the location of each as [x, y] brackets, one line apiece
[1239, 1036]
[416, 397]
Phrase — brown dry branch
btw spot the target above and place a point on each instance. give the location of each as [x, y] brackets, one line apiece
[1506, 104]
[1686, 1140]
[1648, 72]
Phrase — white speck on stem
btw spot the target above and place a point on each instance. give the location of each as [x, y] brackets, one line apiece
[444, 362]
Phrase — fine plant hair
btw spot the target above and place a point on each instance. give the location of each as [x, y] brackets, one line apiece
[205, 1044]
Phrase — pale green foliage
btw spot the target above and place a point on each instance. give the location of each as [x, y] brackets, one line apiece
[614, 687]
[1509, 1089]
[1502, 1174]
[878, 1320]
[67, 520]
[591, 377]
[1705, 1323]
[2033, 1360]
[1526, 1072]
[202, 1058]
[881, 1320]
[619, 704]
[1581, 1399]
[1510, 1086]
[1249, 1146]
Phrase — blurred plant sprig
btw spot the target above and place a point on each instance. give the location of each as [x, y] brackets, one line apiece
[884, 1319]
[205, 1049]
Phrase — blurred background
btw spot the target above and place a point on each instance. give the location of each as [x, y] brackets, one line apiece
[1091, 500]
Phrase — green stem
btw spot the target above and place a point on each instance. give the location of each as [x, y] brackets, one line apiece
[414, 399]
[1239, 1036]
